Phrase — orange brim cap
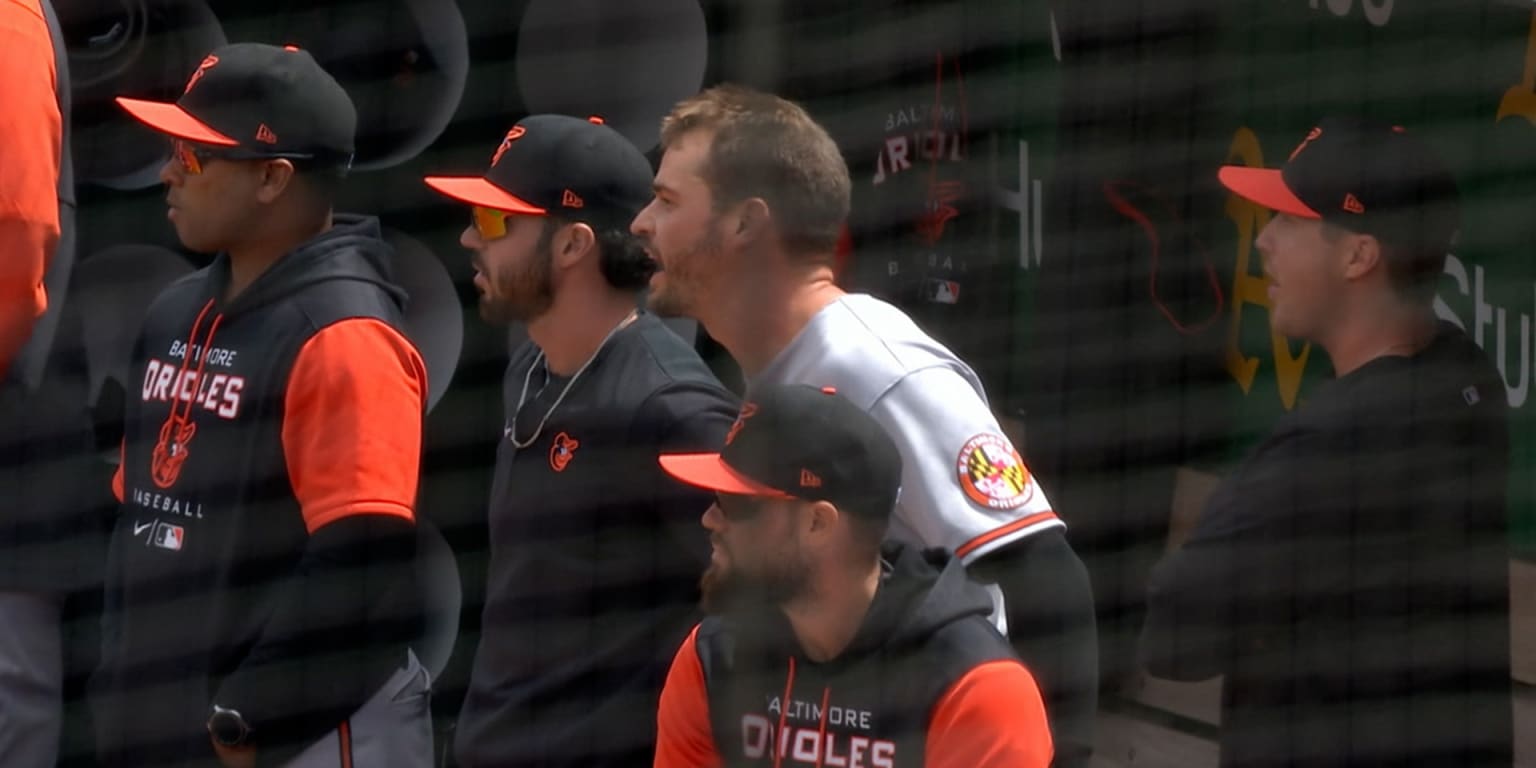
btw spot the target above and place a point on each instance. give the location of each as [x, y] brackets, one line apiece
[475, 190]
[172, 119]
[708, 470]
[1266, 187]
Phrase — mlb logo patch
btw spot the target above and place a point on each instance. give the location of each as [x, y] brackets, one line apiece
[169, 536]
[942, 291]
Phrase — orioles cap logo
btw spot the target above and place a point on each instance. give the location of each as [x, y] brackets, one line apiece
[747, 411]
[1312, 136]
[202, 69]
[506, 143]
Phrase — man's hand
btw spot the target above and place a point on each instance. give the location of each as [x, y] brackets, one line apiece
[235, 757]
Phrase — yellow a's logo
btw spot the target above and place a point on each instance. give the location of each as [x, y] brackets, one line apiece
[1250, 288]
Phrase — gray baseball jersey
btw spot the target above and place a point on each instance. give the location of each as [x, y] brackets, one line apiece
[963, 485]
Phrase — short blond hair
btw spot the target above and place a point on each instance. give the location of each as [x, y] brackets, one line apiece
[769, 147]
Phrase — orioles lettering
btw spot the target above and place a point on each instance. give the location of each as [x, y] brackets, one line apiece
[899, 152]
[810, 710]
[810, 746]
[219, 392]
[918, 114]
[223, 358]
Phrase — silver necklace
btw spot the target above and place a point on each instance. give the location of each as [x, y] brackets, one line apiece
[527, 377]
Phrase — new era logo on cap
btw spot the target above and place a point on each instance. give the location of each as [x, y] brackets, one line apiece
[805, 443]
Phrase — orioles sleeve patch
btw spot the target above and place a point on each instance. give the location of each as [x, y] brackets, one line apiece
[992, 473]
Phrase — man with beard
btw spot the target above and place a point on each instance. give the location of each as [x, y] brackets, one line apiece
[750, 199]
[594, 550]
[260, 592]
[824, 647]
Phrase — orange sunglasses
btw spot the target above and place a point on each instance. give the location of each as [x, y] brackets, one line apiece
[489, 222]
[192, 157]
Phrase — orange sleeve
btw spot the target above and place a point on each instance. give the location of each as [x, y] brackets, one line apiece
[991, 718]
[352, 422]
[683, 735]
[29, 164]
[117, 477]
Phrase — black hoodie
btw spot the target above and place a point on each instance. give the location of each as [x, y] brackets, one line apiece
[222, 586]
[900, 683]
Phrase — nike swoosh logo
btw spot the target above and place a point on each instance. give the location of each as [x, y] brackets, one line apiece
[138, 529]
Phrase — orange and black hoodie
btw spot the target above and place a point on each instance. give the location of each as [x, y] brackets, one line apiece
[926, 681]
[262, 557]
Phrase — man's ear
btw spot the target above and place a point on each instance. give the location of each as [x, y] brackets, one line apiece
[276, 176]
[1362, 255]
[571, 243]
[750, 222]
[821, 518]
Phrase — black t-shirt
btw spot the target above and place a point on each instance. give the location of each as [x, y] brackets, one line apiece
[595, 555]
[1350, 579]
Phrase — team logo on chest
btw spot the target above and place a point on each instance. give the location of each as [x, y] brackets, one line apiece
[171, 450]
[562, 451]
[993, 474]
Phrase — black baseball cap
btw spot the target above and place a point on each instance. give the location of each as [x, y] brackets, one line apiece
[259, 100]
[580, 169]
[801, 442]
[1368, 177]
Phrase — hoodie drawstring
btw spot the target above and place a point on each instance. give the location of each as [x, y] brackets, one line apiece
[780, 745]
[821, 731]
[176, 430]
[778, 738]
[938, 111]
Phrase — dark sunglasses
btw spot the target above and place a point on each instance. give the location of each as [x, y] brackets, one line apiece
[739, 509]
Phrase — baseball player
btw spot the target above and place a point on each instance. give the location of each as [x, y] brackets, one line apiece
[1350, 579]
[595, 552]
[825, 647]
[260, 596]
[749, 202]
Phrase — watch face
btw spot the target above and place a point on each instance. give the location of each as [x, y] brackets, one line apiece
[227, 728]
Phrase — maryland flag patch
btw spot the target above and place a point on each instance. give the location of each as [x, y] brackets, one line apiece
[993, 474]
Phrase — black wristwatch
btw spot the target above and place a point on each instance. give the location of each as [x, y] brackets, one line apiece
[228, 728]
